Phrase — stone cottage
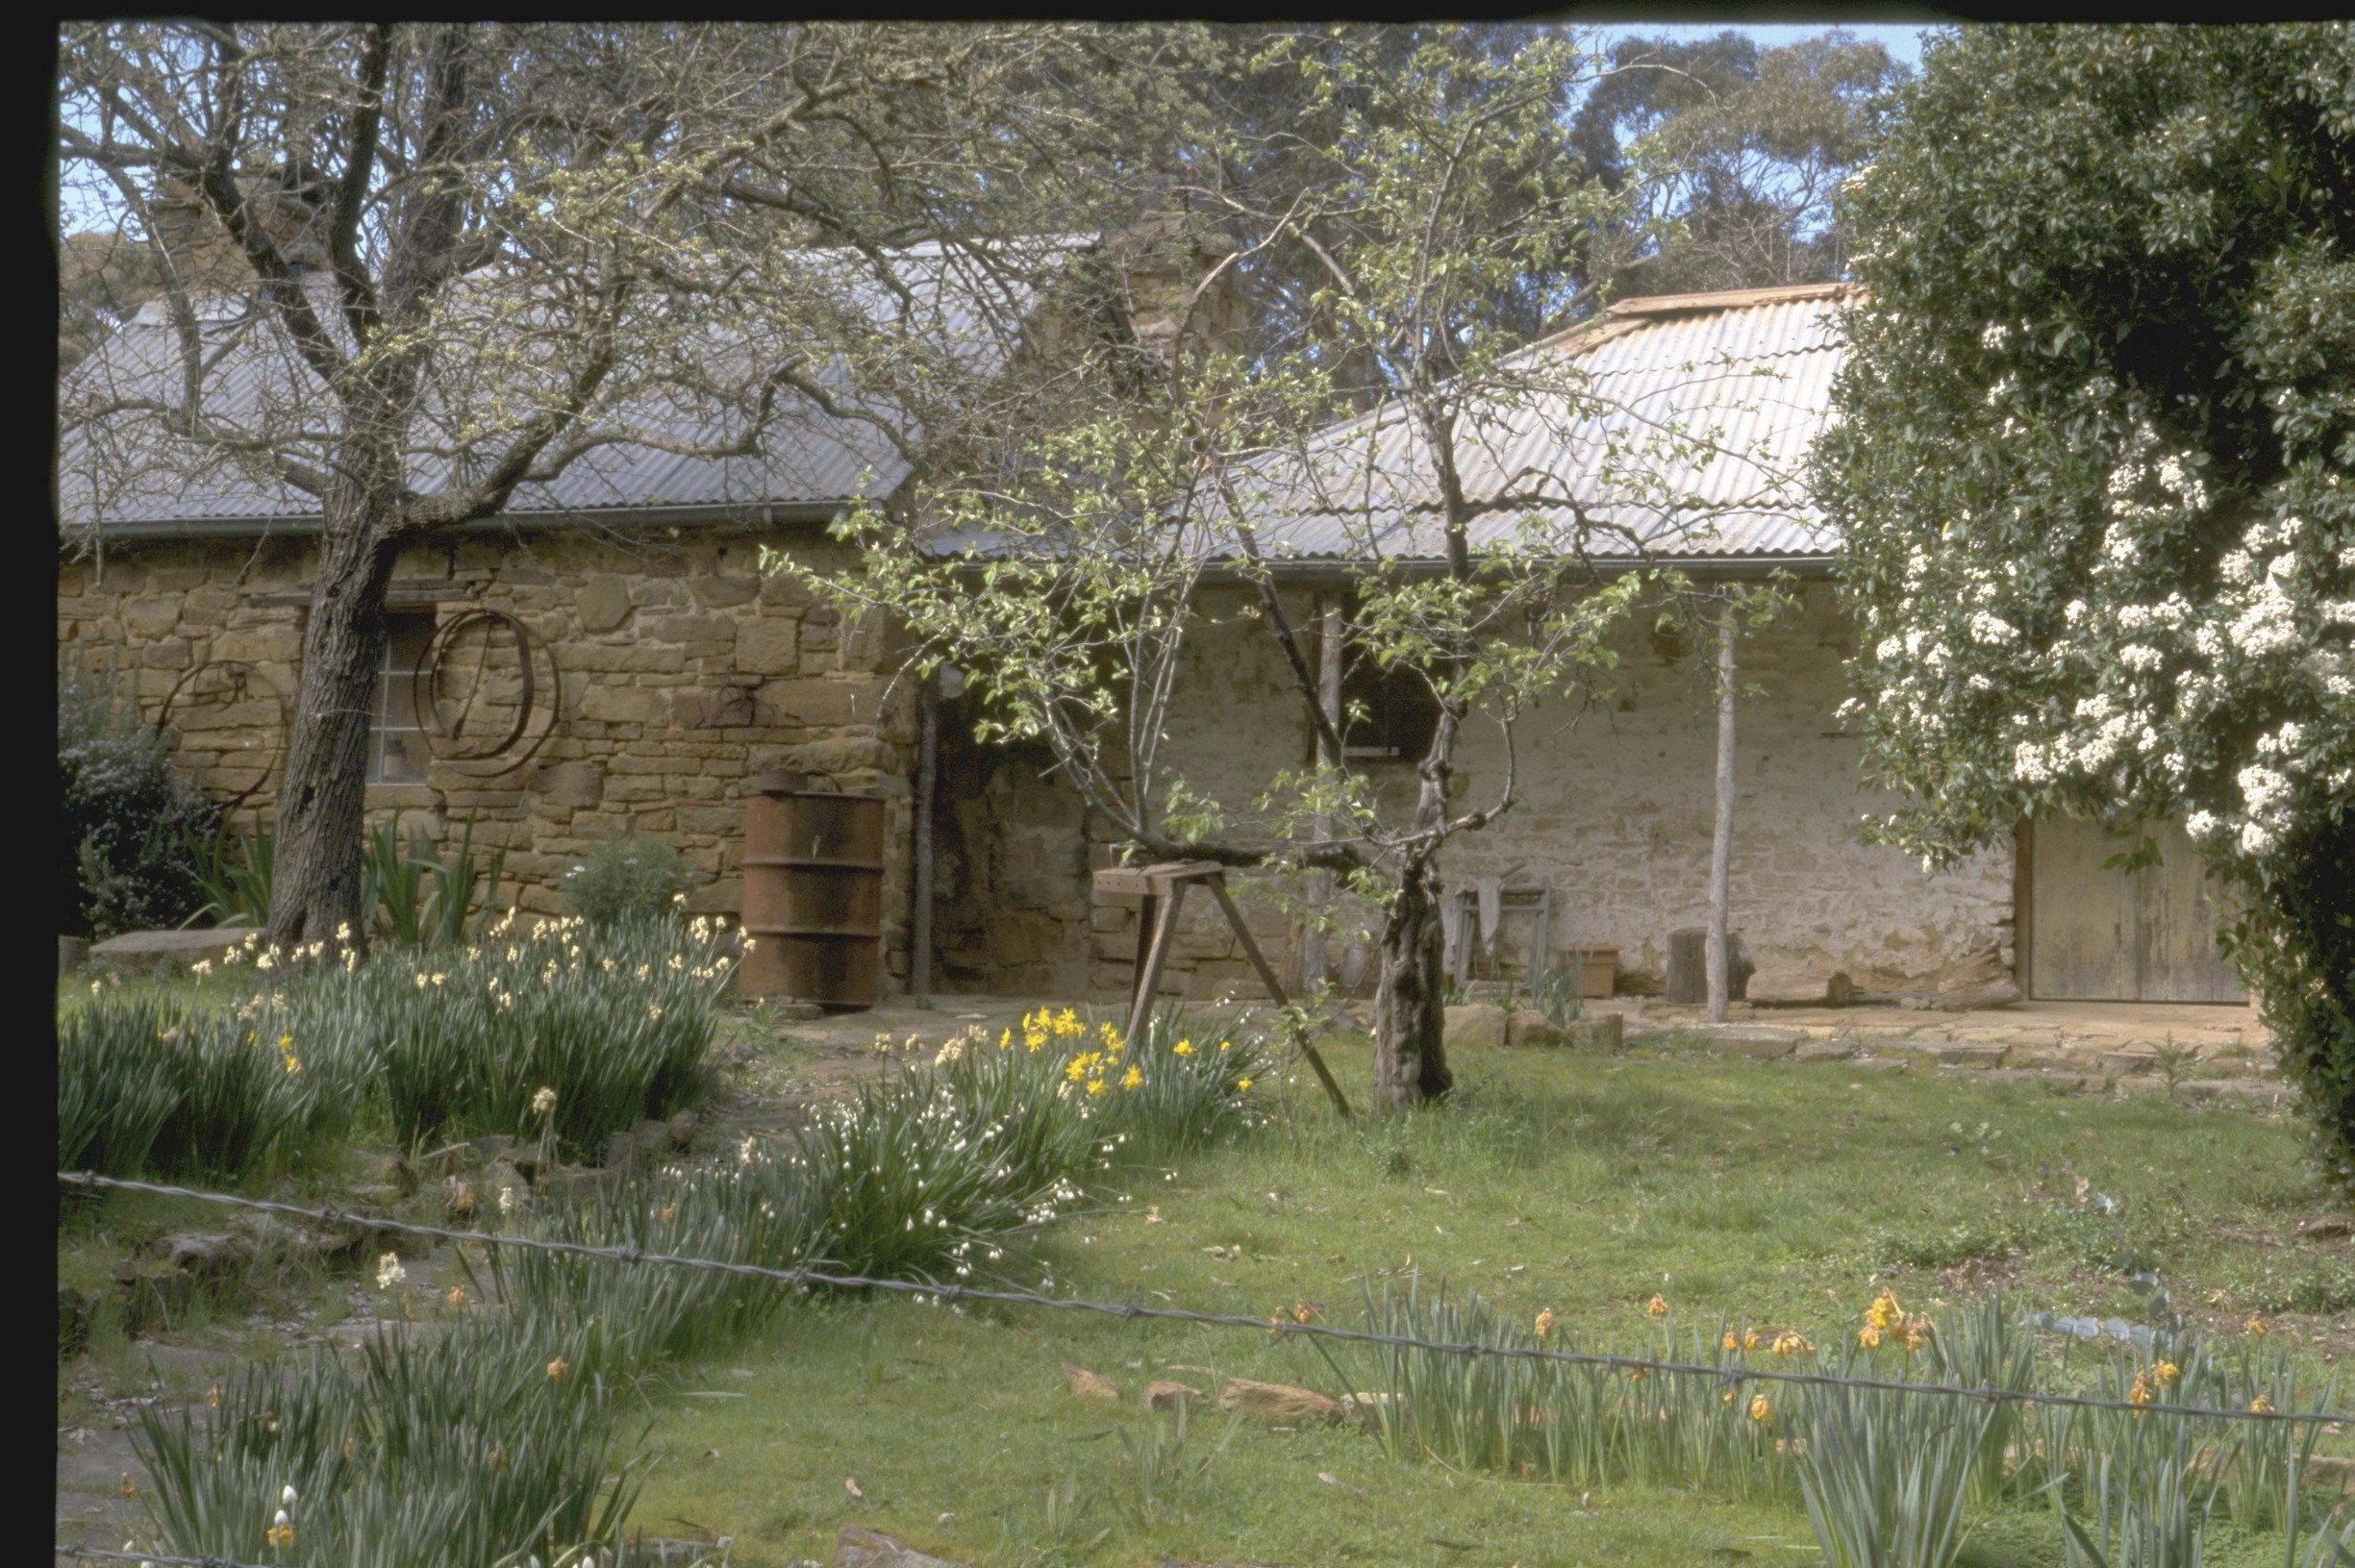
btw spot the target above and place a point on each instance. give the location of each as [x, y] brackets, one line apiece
[606, 659]
[1613, 826]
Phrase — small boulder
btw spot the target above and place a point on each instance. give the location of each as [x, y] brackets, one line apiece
[1089, 1384]
[856, 1548]
[1160, 1394]
[1472, 1024]
[1530, 1027]
[1798, 985]
[168, 948]
[1280, 1404]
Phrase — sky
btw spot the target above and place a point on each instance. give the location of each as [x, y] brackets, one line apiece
[1902, 39]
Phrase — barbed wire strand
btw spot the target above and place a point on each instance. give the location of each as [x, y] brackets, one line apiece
[1130, 1311]
[157, 1559]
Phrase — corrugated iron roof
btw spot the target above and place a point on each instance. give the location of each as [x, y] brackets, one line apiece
[1684, 435]
[1679, 431]
[131, 472]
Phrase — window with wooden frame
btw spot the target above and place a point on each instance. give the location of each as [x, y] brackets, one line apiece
[398, 749]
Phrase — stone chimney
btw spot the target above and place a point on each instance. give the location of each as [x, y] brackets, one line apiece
[210, 261]
[1173, 290]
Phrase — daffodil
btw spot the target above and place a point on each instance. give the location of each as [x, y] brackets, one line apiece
[1657, 1306]
[1761, 1407]
[1545, 1323]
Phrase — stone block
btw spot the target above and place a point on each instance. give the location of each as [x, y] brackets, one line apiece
[572, 785]
[603, 604]
[1473, 1025]
[768, 645]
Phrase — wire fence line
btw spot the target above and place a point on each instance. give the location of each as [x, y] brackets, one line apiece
[158, 1560]
[805, 1276]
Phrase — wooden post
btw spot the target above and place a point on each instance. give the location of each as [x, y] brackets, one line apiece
[1316, 958]
[1722, 840]
[927, 771]
[1156, 956]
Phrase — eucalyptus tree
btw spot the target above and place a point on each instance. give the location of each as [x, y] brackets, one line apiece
[469, 257]
[1071, 578]
[2094, 461]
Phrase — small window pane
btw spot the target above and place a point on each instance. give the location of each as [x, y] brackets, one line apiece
[398, 748]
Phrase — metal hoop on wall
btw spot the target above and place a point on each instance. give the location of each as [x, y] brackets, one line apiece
[242, 675]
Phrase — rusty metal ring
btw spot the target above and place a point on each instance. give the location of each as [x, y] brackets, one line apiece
[278, 750]
[427, 685]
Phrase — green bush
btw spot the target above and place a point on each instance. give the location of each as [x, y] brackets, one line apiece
[171, 1090]
[632, 878]
[127, 810]
[462, 1448]
[547, 1032]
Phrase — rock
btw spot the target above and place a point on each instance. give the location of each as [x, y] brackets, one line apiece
[1475, 1024]
[2330, 1228]
[1753, 1040]
[603, 603]
[168, 948]
[1089, 1384]
[1601, 1032]
[1365, 1409]
[1530, 1027]
[1280, 1404]
[856, 1548]
[205, 1255]
[453, 1159]
[494, 1146]
[1969, 984]
[1796, 986]
[683, 1129]
[73, 952]
[654, 1139]
[1824, 1051]
[1161, 1395]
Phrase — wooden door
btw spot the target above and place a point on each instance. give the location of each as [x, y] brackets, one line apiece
[2099, 934]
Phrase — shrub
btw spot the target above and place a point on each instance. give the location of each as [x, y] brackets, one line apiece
[459, 1042]
[632, 878]
[127, 810]
[462, 1448]
[173, 1090]
[113, 1095]
[416, 898]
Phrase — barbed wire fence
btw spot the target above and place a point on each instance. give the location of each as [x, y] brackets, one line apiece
[805, 1276]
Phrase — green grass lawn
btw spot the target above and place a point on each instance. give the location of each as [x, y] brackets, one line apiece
[1778, 1194]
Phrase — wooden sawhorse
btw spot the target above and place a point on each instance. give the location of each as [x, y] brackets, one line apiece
[1160, 891]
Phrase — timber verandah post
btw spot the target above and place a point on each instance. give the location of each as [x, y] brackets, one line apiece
[1721, 835]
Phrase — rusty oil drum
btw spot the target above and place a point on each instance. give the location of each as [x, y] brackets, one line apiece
[812, 894]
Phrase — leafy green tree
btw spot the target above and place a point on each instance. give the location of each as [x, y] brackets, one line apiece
[1730, 155]
[2092, 462]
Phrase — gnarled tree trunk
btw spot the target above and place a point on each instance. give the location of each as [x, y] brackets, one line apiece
[314, 884]
[1409, 1029]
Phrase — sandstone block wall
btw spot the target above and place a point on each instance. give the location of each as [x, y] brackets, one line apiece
[683, 674]
[1615, 806]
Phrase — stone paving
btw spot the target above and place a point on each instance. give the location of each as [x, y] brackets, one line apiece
[2207, 1051]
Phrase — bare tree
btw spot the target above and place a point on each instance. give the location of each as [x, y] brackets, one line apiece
[412, 272]
[1070, 581]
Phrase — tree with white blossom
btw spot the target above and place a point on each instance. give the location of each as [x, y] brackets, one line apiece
[2093, 460]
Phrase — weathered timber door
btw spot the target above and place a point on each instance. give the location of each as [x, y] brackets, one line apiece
[2108, 936]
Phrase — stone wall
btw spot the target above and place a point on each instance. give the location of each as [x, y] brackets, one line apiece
[1615, 807]
[683, 674]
